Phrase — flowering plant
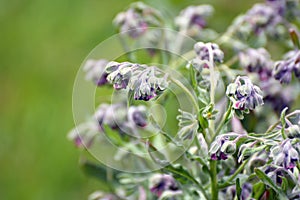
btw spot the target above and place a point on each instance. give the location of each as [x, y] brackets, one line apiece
[238, 132]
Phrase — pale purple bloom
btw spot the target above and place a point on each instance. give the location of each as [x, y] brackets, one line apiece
[258, 61]
[160, 183]
[221, 147]
[283, 69]
[145, 82]
[243, 94]
[95, 71]
[285, 155]
[192, 19]
[262, 17]
[205, 50]
[137, 19]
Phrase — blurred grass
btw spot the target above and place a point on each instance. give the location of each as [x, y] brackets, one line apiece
[42, 46]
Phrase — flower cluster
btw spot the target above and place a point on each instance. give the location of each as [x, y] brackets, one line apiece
[115, 116]
[261, 18]
[283, 69]
[258, 61]
[222, 147]
[192, 19]
[95, 71]
[137, 19]
[285, 155]
[207, 51]
[145, 82]
[160, 183]
[244, 95]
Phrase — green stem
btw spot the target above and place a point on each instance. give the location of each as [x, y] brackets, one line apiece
[228, 182]
[214, 181]
[188, 93]
[271, 128]
[222, 123]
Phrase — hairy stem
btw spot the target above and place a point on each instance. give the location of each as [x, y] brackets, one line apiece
[214, 180]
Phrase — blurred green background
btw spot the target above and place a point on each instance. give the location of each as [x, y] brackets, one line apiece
[42, 45]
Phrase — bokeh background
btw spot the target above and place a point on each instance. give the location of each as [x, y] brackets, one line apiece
[42, 45]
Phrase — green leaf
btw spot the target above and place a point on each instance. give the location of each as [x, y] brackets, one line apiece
[268, 181]
[258, 190]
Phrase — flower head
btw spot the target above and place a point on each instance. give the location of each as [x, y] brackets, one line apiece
[244, 95]
[258, 61]
[222, 147]
[145, 82]
[262, 17]
[137, 19]
[283, 69]
[205, 50]
[95, 71]
[192, 19]
[160, 183]
[285, 155]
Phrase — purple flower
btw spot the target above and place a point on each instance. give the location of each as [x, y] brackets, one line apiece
[119, 74]
[137, 19]
[95, 71]
[283, 69]
[160, 183]
[262, 17]
[137, 116]
[205, 50]
[145, 82]
[285, 155]
[244, 95]
[192, 19]
[222, 147]
[258, 61]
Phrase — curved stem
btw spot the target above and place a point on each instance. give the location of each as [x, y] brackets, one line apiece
[194, 102]
[214, 180]
[271, 128]
[222, 123]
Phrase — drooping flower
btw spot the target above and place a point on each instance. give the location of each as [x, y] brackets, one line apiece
[192, 19]
[119, 74]
[205, 50]
[148, 84]
[285, 155]
[95, 71]
[137, 19]
[283, 69]
[222, 146]
[258, 61]
[160, 183]
[244, 95]
[145, 82]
